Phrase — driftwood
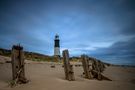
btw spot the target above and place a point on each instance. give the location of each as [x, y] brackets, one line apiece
[99, 76]
[52, 66]
[69, 74]
[17, 62]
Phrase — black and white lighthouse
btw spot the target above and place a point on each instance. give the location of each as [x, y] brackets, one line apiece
[56, 46]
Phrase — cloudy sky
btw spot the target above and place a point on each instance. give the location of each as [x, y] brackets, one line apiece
[104, 29]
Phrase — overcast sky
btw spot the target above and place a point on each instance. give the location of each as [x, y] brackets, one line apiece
[104, 29]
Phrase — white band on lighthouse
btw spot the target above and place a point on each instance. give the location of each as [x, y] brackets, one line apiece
[57, 51]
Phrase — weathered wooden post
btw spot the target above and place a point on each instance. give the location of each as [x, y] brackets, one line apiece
[18, 64]
[69, 74]
[86, 67]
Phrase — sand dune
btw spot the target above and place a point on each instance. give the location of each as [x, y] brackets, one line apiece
[43, 77]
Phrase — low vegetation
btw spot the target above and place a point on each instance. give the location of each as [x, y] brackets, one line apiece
[30, 56]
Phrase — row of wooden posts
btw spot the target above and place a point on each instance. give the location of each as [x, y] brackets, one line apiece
[90, 70]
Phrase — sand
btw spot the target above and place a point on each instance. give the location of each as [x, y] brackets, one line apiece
[43, 77]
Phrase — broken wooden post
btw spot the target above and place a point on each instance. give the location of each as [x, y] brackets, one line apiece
[101, 66]
[86, 67]
[99, 76]
[95, 65]
[69, 74]
[18, 64]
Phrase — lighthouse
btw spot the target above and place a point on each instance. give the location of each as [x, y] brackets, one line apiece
[56, 46]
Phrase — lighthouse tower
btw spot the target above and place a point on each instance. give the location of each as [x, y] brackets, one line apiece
[56, 46]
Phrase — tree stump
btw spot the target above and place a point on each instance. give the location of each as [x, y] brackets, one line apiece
[18, 72]
[86, 67]
[69, 74]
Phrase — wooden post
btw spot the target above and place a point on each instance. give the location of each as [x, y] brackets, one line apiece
[18, 64]
[69, 74]
[86, 67]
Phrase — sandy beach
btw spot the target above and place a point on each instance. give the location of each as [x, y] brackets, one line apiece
[43, 77]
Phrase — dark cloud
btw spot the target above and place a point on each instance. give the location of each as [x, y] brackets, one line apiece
[120, 51]
[129, 4]
[130, 29]
[129, 7]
